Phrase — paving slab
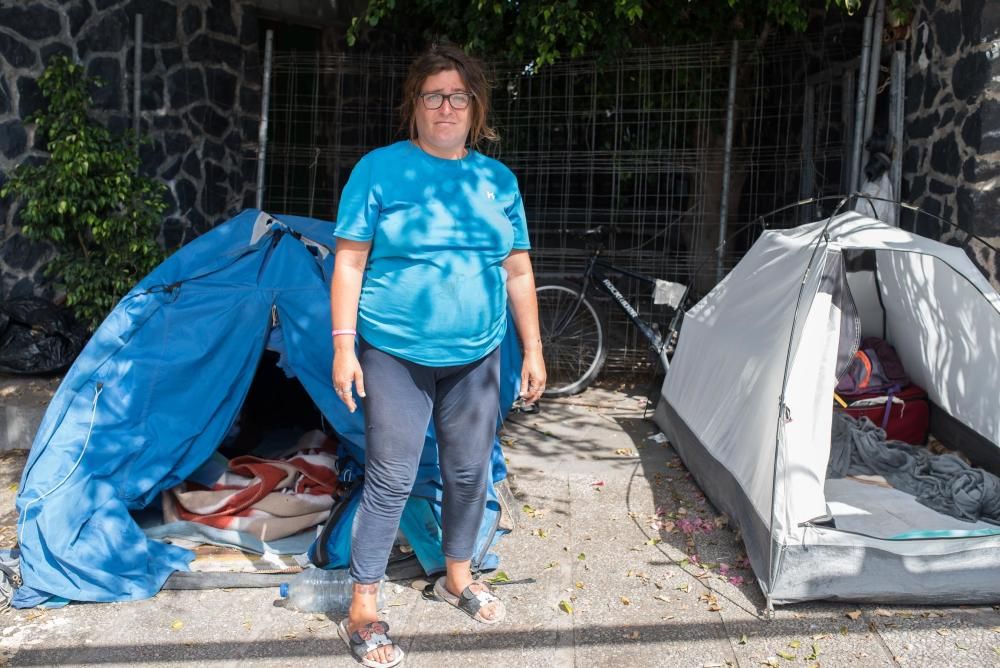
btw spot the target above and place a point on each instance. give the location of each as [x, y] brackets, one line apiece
[23, 400]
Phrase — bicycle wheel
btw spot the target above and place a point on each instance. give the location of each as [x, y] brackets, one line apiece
[574, 340]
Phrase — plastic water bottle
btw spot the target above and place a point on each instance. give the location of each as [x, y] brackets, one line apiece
[319, 590]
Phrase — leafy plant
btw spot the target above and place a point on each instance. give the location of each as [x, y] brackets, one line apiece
[88, 198]
[537, 33]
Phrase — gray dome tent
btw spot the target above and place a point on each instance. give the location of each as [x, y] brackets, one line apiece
[747, 403]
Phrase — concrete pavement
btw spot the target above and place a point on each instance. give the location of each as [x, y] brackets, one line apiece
[616, 559]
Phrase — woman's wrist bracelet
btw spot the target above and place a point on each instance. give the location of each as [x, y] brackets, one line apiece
[345, 332]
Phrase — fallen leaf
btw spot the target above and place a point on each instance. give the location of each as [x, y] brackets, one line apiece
[854, 614]
[12, 487]
[961, 646]
[632, 636]
[882, 612]
[625, 452]
[528, 509]
[794, 644]
[843, 630]
[177, 625]
[815, 653]
[247, 624]
[661, 597]
[686, 587]
[943, 632]
[566, 607]
[579, 585]
[551, 564]
[787, 656]
[500, 576]
[771, 662]
[541, 533]
[581, 556]
[995, 629]
[820, 636]
[625, 600]
[743, 640]
[653, 541]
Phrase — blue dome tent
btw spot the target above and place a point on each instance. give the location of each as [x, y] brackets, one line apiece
[159, 385]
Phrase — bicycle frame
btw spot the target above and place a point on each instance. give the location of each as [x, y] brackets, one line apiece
[595, 274]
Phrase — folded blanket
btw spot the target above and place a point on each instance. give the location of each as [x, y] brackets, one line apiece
[944, 482]
[267, 498]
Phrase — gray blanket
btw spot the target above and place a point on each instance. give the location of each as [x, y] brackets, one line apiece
[942, 482]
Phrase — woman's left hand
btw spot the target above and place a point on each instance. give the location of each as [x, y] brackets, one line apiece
[532, 376]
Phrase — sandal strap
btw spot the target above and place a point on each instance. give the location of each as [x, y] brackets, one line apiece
[370, 637]
[472, 602]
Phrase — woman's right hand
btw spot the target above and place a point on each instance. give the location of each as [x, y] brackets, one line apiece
[346, 374]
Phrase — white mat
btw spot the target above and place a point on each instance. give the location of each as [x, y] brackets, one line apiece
[884, 512]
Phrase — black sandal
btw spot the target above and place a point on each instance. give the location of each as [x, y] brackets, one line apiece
[370, 637]
[472, 603]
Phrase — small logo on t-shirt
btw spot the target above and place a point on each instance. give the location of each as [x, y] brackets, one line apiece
[490, 195]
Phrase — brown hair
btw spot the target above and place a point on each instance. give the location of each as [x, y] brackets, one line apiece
[441, 58]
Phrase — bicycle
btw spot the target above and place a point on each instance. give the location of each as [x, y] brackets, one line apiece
[574, 330]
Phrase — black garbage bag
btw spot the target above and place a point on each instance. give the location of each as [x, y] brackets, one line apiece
[37, 337]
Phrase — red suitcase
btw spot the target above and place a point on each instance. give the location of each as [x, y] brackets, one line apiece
[908, 417]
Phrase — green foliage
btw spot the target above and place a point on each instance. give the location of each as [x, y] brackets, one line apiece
[540, 32]
[88, 199]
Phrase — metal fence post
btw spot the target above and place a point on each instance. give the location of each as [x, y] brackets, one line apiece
[137, 78]
[262, 133]
[806, 181]
[873, 71]
[859, 114]
[898, 101]
[727, 162]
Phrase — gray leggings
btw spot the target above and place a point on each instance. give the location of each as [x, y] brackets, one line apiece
[402, 398]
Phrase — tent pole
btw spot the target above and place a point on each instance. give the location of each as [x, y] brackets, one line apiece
[262, 133]
[727, 162]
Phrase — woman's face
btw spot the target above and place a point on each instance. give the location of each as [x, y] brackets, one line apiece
[442, 132]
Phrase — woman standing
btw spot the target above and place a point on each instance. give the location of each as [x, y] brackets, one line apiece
[431, 245]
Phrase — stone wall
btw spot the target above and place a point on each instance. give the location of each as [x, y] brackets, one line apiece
[951, 164]
[200, 102]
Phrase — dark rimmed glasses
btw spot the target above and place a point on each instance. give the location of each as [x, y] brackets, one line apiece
[458, 101]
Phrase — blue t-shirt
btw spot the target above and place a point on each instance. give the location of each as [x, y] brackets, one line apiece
[434, 291]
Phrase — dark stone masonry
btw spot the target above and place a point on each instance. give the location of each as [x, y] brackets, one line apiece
[200, 105]
[951, 163]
